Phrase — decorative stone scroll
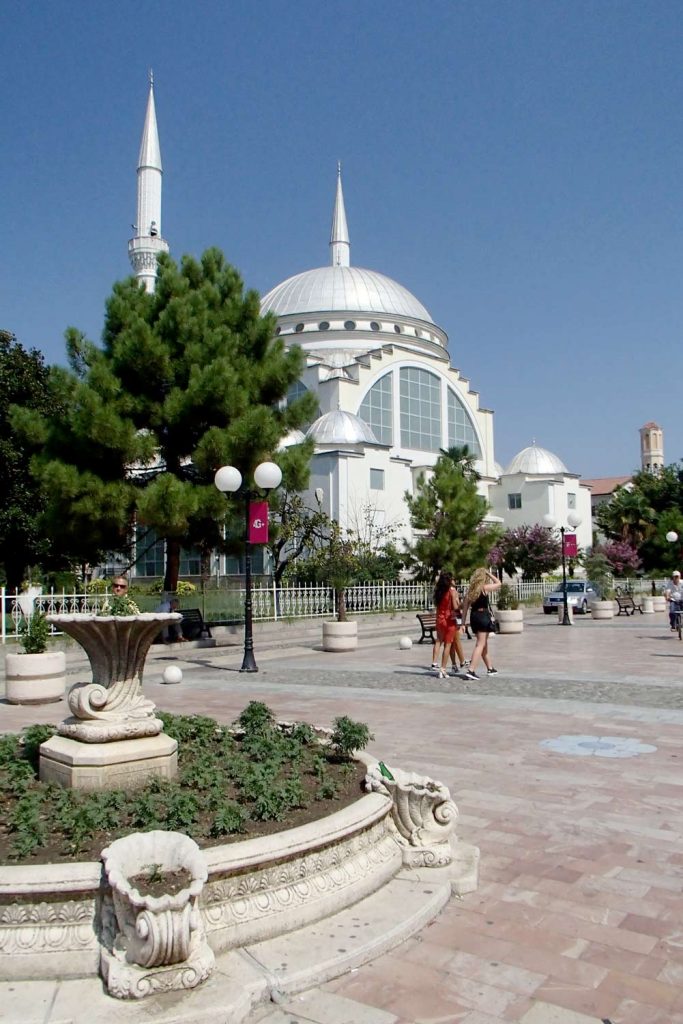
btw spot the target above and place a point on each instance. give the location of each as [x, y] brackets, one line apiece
[113, 706]
[423, 814]
[153, 943]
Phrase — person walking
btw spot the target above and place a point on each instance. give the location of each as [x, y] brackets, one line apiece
[674, 596]
[447, 602]
[477, 603]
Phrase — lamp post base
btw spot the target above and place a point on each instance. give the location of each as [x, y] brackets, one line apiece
[248, 662]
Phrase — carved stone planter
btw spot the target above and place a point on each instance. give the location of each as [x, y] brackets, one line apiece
[423, 813]
[113, 737]
[153, 943]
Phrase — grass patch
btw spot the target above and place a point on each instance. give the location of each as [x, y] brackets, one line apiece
[251, 778]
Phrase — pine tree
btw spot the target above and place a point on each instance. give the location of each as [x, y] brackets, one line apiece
[187, 379]
[448, 512]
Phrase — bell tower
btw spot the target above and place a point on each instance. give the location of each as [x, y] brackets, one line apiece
[651, 448]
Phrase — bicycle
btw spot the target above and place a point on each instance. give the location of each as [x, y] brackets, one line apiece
[677, 622]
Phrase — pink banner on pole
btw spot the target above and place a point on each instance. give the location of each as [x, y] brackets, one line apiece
[570, 548]
[258, 522]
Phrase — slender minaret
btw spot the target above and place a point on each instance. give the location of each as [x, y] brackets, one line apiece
[339, 236]
[147, 242]
[651, 448]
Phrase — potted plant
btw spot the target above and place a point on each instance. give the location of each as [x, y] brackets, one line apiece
[340, 567]
[598, 570]
[508, 612]
[37, 676]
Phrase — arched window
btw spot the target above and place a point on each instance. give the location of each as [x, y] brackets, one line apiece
[297, 390]
[460, 429]
[375, 409]
[420, 409]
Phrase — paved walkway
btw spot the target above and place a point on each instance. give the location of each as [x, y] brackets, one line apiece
[566, 769]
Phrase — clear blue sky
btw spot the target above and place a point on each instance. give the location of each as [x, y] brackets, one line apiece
[516, 165]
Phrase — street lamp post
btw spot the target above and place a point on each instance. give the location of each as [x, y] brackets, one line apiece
[573, 521]
[229, 480]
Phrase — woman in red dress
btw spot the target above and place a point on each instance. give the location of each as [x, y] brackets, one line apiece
[447, 603]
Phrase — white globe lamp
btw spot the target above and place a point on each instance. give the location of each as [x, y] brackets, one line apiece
[267, 476]
[549, 520]
[228, 479]
[574, 520]
[672, 536]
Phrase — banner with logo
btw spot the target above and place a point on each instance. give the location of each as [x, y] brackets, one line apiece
[258, 522]
[570, 548]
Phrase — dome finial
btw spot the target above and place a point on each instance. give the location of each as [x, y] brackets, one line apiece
[339, 236]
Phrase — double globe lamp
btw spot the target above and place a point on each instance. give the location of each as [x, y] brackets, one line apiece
[228, 479]
[574, 520]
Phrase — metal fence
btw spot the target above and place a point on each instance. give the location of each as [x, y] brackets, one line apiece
[271, 602]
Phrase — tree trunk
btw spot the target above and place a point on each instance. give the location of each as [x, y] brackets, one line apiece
[172, 565]
[341, 605]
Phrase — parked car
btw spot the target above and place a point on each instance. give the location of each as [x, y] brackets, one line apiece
[580, 593]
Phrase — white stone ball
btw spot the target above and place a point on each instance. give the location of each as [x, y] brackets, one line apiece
[405, 643]
[172, 674]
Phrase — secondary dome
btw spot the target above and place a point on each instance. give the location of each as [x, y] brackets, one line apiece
[339, 427]
[343, 289]
[535, 459]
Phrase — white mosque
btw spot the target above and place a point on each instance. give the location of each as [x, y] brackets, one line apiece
[389, 399]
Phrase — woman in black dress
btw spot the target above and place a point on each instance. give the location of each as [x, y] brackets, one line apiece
[482, 584]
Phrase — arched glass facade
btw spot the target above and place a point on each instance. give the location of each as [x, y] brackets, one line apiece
[424, 399]
[376, 410]
[420, 393]
[460, 429]
[297, 390]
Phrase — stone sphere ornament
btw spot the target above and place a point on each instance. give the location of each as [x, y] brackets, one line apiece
[172, 674]
[405, 643]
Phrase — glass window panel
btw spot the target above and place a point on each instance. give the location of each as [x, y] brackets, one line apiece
[377, 479]
[420, 395]
[514, 500]
[149, 551]
[460, 428]
[375, 409]
[190, 562]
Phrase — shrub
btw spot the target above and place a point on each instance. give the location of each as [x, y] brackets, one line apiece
[34, 632]
[507, 599]
[348, 736]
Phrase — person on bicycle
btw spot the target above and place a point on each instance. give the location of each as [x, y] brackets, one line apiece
[674, 595]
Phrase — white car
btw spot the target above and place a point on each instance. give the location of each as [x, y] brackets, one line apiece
[580, 593]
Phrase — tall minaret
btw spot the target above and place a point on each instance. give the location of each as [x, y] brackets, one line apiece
[339, 236]
[651, 448]
[147, 243]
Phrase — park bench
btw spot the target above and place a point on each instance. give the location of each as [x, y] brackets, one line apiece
[627, 606]
[193, 625]
[427, 622]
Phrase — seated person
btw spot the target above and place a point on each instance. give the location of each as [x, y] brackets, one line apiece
[173, 632]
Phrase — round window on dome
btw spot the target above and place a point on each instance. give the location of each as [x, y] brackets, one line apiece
[324, 325]
[349, 325]
[397, 328]
[374, 326]
[299, 328]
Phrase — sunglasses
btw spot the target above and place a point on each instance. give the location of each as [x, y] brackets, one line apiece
[119, 586]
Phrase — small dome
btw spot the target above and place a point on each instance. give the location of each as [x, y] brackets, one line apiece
[339, 427]
[343, 289]
[290, 439]
[535, 459]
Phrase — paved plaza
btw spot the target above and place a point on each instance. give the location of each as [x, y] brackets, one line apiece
[566, 768]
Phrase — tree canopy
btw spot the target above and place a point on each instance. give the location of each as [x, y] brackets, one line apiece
[447, 513]
[24, 380]
[642, 512]
[531, 550]
[187, 379]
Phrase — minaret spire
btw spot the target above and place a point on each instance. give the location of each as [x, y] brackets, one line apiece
[339, 236]
[147, 243]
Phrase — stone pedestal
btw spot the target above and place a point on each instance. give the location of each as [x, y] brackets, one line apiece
[121, 764]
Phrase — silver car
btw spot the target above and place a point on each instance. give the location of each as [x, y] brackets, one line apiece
[580, 593]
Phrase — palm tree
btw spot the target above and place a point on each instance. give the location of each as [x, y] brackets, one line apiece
[463, 457]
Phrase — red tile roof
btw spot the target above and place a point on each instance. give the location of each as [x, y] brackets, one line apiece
[605, 484]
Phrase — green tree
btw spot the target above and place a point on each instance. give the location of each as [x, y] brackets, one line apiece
[187, 379]
[533, 550]
[627, 516]
[447, 514]
[24, 380]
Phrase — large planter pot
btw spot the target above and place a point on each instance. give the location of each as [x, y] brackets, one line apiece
[154, 943]
[659, 603]
[35, 678]
[340, 636]
[510, 620]
[648, 605]
[602, 609]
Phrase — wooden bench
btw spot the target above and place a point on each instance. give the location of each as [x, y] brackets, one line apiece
[427, 622]
[193, 625]
[627, 606]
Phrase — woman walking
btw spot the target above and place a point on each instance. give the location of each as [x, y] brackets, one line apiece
[447, 602]
[482, 584]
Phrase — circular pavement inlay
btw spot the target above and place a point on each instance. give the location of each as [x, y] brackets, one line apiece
[598, 746]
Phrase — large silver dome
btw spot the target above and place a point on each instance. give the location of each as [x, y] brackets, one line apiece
[338, 427]
[347, 289]
[536, 460]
